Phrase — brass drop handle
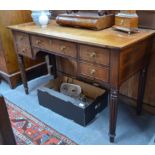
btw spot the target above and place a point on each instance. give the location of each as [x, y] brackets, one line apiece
[92, 72]
[38, 42]
[23, 50]
[62, 48]
[21, 38]
[93, 55]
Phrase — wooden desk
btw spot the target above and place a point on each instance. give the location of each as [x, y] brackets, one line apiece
[106, 57]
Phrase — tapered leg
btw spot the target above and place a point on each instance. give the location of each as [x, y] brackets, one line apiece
[113, 107]
[141, 88]
[23, 73]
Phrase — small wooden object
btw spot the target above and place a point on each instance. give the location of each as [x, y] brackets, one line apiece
[126, 21]
[96, 21]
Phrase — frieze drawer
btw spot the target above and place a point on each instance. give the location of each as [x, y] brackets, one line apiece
[41, 42]
[65, 48]
[94, 72]
[23, 44]
[94, 54]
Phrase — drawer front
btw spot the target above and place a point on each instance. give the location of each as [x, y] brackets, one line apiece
[65, 48]
[94, 54]
[41, 42]
[94, 72]
[23, 44]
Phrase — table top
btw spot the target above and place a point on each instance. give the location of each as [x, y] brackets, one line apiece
[104, 38]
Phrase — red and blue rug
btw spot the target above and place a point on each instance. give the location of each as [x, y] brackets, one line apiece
[30, 130]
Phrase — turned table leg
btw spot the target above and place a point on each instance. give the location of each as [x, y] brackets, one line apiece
[141, 88]
[113, 107]
[23, 73]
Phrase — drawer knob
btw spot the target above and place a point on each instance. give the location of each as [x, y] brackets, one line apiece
[62, 48]
[93, 55]
[38, 42]
[92, 72]
[23, 50]
[21, 38]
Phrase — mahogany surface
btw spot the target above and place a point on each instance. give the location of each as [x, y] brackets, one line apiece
[104, 38]
[107, 57]
[130, 87]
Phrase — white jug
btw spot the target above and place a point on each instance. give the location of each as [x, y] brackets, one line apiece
[43, 19]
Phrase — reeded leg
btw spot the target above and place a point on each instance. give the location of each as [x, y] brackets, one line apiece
[113, 107]
[23, 73]
[141, 88]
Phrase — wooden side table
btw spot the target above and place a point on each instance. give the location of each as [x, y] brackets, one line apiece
[106, 57]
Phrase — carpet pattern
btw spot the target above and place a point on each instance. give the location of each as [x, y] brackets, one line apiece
[131, 129]
[29, 130]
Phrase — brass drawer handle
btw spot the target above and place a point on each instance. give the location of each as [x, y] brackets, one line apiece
[92, 72]
[23, 50]
[93, 55]
[38, 42]
[62, 48]
[22, 38]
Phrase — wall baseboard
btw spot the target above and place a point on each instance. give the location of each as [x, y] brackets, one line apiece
[32, 72]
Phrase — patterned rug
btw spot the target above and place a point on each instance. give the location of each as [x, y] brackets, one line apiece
[30, 130]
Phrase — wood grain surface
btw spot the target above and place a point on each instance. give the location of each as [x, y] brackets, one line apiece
[130, 87]
[104, 38]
